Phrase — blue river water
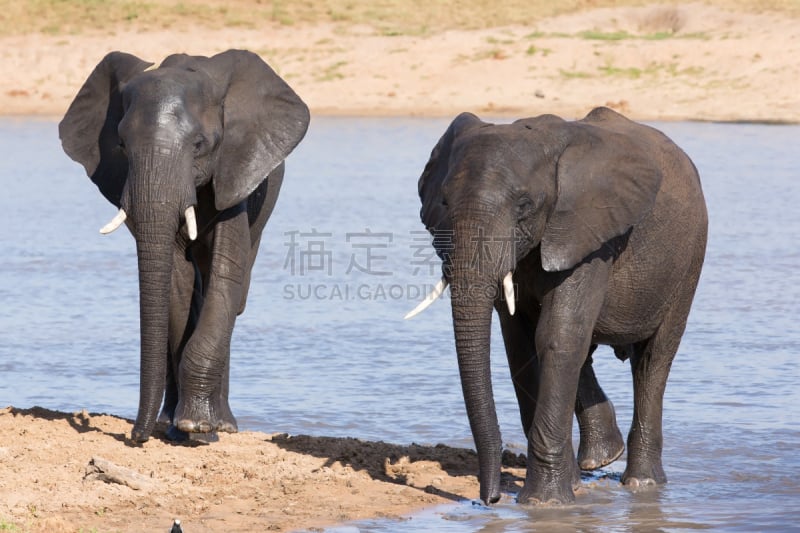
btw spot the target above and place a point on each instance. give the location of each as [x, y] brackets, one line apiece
[323, 350]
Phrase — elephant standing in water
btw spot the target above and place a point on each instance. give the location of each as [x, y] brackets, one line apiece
[192, 153]
[578, 234]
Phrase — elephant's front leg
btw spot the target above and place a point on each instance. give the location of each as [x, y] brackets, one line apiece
[601, 440]
[203, 374]
[563, 337]
[518, 337]
[552, 472]
[186, 301]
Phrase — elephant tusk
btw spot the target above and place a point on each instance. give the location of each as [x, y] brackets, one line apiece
[508, 288]
[115, 222]
[437, 291]
[191, 222]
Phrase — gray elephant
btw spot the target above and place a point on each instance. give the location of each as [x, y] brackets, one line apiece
[578, 234]
[192, 153]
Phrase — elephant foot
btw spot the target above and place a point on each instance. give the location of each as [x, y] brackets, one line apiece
[227, 422]
[177, 436]
[198, 416]
[641, 476]
[194, 426]
[553, 492]
[228, 426]
[597, 453]
[601, 440]
[636, 483]
[550, 485]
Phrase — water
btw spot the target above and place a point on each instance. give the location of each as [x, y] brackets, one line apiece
[322, 348]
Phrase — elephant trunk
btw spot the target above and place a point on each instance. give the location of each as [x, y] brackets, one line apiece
[475, 282]
[154, 251]
[472, 327]
[155, 210]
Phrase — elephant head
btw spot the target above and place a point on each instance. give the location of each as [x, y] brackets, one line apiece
[150, 137]
[539, 189]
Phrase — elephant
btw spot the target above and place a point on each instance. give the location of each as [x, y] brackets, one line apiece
[192, 153]
[577, 233]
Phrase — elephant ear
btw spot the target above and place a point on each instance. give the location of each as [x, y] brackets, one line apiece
[88, 130]
[263, 121]
[433, 212]
[607, 182]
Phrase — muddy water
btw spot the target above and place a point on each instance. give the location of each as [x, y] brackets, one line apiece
[322, 348]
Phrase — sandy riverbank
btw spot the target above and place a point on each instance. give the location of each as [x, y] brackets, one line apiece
[245, 482]
[691, 62]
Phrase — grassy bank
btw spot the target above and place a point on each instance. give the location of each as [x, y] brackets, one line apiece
[387, 17]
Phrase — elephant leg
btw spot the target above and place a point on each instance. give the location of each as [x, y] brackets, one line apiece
[563, 336]
[203, 406]
[650, 364]
[170, 391]
[523, 363]
[260, 205]
[227, 422]
[601, 440]
[518, 337]
[186, 300]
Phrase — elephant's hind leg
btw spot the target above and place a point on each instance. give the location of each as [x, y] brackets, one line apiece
[601, 440]
[650, 365]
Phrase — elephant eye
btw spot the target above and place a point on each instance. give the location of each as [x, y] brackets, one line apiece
[527, 206]
[199, 143]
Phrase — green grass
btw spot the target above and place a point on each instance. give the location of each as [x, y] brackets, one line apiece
[653, 69]
[658, 36]
[332, 72]
[533, 50]
[634, 73]
[574, 74]
[605, 36]
[387, 17]
[631, 72]
[623, 35]
[8, 526]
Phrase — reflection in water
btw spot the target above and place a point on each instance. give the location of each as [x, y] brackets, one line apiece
[322, 348]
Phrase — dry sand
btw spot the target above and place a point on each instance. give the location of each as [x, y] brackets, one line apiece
[715, 65]
[718, 65]
[245, 482]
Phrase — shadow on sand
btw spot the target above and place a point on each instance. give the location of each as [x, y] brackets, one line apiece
[393, 463]
[81, 422]
[414, 465]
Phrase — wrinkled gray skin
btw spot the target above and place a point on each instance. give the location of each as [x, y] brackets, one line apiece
[206, 132]
[603, 223]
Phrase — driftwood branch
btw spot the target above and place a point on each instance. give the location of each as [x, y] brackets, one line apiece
[102, 470]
